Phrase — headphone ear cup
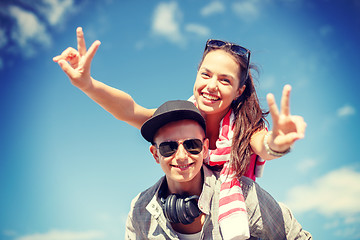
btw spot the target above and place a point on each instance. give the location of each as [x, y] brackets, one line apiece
[191, 207]
[170, 206]
[181, 212]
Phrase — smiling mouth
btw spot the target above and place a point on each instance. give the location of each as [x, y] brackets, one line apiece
[182, 167]
[210, 97]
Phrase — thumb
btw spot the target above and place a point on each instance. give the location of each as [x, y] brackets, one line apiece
[290, 138]
[68, 70]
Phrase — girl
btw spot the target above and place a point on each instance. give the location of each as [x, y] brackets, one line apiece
[224, 92]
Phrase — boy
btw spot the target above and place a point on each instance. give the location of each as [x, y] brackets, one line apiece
[184, 203]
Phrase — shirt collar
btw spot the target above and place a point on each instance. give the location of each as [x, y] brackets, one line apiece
[207, 190]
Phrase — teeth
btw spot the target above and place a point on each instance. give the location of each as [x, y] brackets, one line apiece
[210, 97]
[182, 166]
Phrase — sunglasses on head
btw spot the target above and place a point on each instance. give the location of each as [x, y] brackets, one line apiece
[192, 146]
[234, 48]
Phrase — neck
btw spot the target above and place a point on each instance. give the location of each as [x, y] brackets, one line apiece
[193, 187]
[212, 128]
[194, 227]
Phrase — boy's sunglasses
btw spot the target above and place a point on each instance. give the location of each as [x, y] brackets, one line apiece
[234, 48]
[192, 146]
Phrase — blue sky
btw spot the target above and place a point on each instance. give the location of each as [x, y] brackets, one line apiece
[68, 169]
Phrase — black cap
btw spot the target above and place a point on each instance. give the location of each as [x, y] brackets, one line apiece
[171, 111]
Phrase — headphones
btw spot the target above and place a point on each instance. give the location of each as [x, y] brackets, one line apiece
[179, 209]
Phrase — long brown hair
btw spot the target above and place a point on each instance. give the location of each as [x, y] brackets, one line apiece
[249, 117]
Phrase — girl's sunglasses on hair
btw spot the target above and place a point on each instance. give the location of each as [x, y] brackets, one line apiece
[234, 48]
[192, 146]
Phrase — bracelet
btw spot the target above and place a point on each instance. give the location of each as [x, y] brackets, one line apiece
[272, 152]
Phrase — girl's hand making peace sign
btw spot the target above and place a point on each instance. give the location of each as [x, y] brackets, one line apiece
[76, 63]
[287, 128]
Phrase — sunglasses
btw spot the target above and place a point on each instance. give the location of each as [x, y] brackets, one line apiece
[192, 146]
[234, 48]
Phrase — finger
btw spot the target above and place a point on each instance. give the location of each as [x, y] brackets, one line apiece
[285, 100]
[66, 55]
[65, 66]
[56, 58]
[91, 53]
[63, 55]
[289, 139]
[274, 111]
[81, 41]
[300, 126]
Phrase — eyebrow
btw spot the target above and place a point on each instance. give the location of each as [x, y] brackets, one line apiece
[221, 75]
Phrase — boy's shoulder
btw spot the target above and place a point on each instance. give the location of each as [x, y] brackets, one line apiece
[143, 198]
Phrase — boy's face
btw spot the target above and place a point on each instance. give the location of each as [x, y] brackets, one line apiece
[182, 169]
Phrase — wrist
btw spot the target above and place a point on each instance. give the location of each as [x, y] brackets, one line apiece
[88, 85]
[272, 152]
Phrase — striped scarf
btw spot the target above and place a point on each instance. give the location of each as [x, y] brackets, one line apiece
[233, 219]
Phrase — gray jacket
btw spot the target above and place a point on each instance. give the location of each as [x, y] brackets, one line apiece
[267, 218]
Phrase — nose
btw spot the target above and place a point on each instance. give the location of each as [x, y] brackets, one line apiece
[181, 153]
[212, 84]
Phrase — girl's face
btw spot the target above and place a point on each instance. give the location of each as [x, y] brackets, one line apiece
[217, 83]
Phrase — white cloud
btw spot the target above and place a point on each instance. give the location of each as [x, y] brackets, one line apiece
[346, 228]
[30, 21]
[348, 233]
[326, 30]
[306, 164]
[166, 22]
[247, 11]
[9, 233]
[268, 82]
[3, 42]
[55, 10]
[333, 224]
[28, 30]
[212, 8]
[338, 192]
[139, 45]
[352, 219]
[346, 110]
[3, 38]
[64, 235]
[198, 29]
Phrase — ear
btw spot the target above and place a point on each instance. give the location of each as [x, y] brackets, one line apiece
[154, 152]
[206, 148]
[240, 91]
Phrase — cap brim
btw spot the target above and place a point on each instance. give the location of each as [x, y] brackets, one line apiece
[151, 126]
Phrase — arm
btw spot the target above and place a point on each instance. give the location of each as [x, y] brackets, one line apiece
[130, 232]
[293, 228]
[76, 64]
[118, 103]
[286, 130]
[269, 219]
